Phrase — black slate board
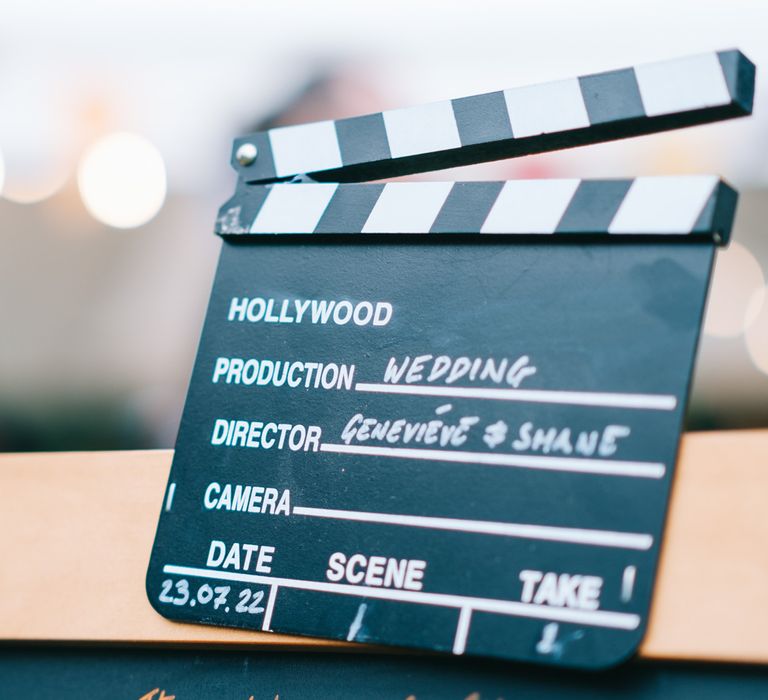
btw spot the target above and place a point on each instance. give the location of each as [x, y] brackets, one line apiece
[611, 329]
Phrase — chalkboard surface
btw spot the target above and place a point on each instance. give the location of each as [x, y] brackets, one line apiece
[463, 446]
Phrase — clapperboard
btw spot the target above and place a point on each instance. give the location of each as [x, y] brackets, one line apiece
[403, 430]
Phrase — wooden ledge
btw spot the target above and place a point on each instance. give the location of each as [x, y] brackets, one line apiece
[77, 529]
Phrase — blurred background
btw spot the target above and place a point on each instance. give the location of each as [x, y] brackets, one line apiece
[116, 121]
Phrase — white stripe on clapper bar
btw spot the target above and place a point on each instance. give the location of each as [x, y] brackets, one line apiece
[305, 148]
[291, 208]
[546, 108]
[407, 207]
[663, 205]
[422, 129]
[691, 82]
[530, 206]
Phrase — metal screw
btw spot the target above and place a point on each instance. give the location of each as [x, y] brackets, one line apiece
[246, 154]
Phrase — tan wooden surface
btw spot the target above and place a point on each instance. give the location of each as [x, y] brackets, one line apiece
[76, 531]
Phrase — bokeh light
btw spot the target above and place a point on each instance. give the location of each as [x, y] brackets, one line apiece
[36, 188]
[122, 180]
[737, 277]
[756, 335]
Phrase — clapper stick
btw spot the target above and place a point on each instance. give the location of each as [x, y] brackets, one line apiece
[446, 415]
[696, 206]
[532, 119]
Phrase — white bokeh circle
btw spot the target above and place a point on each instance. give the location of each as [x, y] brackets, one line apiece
[121, 178]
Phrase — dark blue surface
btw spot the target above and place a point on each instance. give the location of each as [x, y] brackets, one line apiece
[73, 674]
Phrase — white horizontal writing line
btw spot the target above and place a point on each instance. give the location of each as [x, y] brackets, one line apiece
[595, 618]
[599, 538]
[611, 467]
[659, 402]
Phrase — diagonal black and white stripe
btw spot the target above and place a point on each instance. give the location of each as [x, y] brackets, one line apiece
[694, 206]
[519, 121]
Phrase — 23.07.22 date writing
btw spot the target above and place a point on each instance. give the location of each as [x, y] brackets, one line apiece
[179, 593]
